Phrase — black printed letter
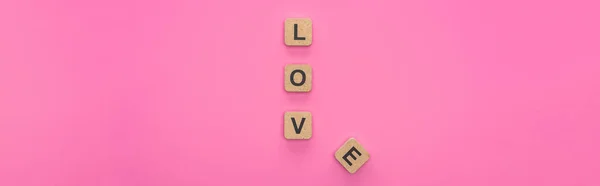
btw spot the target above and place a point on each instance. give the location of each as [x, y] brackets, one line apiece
[349, 153]
[301, 73]
[296, 33]
[296, 128]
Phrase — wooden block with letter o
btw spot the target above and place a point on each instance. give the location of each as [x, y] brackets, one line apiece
[352, 155]
[298, 32]
[298, 78]
[297, 125]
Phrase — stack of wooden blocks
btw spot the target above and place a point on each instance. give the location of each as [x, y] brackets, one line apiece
[297, 125]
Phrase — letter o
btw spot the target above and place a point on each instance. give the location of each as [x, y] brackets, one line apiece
[301, 73]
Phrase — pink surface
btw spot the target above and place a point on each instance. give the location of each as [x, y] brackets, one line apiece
[175, 93]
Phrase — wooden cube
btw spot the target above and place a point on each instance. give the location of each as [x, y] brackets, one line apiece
[352, 155]
[298, 78]
[297, 125]
[298, 32]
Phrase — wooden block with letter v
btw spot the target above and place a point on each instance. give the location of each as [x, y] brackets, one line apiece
[297, 125]
[352, 155]
[298, 32]
[298, 78]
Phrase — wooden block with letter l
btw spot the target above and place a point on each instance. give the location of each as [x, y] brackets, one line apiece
[298, 32]
[352, 155]
[298, 78]
[297, 125]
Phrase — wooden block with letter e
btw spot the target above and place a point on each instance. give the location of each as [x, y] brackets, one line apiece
[297, 125]
[298, 78]
[298, 32]
[352, 155]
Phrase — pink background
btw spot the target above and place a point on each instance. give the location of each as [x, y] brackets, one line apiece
[190, 92]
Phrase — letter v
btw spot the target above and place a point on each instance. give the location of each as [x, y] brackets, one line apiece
[296, 128]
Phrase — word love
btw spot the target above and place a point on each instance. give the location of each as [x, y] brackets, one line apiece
[298, 125]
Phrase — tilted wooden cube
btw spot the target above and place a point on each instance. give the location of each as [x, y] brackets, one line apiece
[352, 155]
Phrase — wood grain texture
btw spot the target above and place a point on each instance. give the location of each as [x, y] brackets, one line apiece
[352, 155]
[298, 32]
[297, 125]
[298, 78]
